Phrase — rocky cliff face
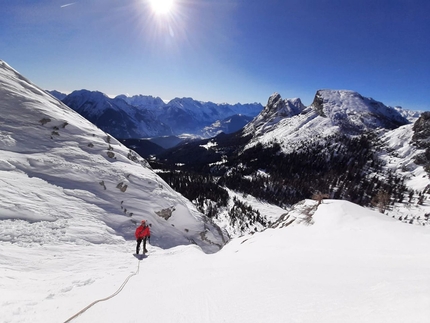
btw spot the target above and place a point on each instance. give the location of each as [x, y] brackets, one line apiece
[421, 129]
[275, 110]
[278, 108]
[421, 139]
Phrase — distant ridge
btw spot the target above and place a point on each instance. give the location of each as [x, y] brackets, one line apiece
[142, 116]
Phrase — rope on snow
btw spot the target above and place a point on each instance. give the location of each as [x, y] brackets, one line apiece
[106, 298]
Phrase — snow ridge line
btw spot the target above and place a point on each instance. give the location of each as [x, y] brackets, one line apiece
[106, 298]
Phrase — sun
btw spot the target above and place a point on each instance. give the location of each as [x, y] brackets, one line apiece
[162, 6]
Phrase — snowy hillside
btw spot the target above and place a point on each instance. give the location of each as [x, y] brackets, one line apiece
[66, 181]
[351, 265]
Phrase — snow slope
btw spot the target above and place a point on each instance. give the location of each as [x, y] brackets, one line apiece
[351, 265]
[62, 179]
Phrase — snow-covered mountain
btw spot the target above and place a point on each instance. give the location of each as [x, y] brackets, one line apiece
[203, 111]
[291, 124]
[143, 101]
[186, 115]
[63, 179]
[343, 146]
[115, 116]
[276, 110]
[142, 116]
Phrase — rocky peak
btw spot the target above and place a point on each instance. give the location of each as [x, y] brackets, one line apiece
[276, 110]
[353, 113]
[142, 101]
[421, 138]
[422, 131]
[277, 107]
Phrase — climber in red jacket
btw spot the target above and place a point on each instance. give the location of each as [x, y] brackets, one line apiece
[142, 233]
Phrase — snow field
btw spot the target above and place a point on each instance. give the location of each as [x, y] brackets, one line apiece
[352, 265]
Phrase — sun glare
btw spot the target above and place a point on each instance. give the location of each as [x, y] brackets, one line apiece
[161, 6]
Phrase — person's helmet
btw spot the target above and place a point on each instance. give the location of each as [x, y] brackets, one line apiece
[143, 222]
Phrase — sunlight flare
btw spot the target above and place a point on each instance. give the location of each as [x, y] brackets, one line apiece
[161, 6]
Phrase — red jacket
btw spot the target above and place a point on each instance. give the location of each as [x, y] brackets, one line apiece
[142, 232]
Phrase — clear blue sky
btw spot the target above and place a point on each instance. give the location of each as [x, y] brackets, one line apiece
[223, 50]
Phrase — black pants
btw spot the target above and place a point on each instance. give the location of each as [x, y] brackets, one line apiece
[139, 241]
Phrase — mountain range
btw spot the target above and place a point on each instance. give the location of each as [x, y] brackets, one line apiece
[342, 146]
[140, 116]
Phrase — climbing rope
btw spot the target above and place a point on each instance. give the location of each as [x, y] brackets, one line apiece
[106, 298]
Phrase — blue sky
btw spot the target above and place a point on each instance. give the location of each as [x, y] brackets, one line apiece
[223, 50]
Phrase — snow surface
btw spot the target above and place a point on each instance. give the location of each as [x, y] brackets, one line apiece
[351, 265]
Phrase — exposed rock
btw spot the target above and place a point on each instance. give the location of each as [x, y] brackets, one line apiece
[421, 129]
[276, 110]
[122, 187]
[102, 183]
[301, 213]
[421, 139]
[165, 213]
[44, 121]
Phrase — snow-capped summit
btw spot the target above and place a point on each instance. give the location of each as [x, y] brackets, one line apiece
[290, 123]
[183, 115]
[276, 110]
[186, 115]
[92, 103]
[142, 101]
[354, 113]
[66, 181]
[142, 116]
